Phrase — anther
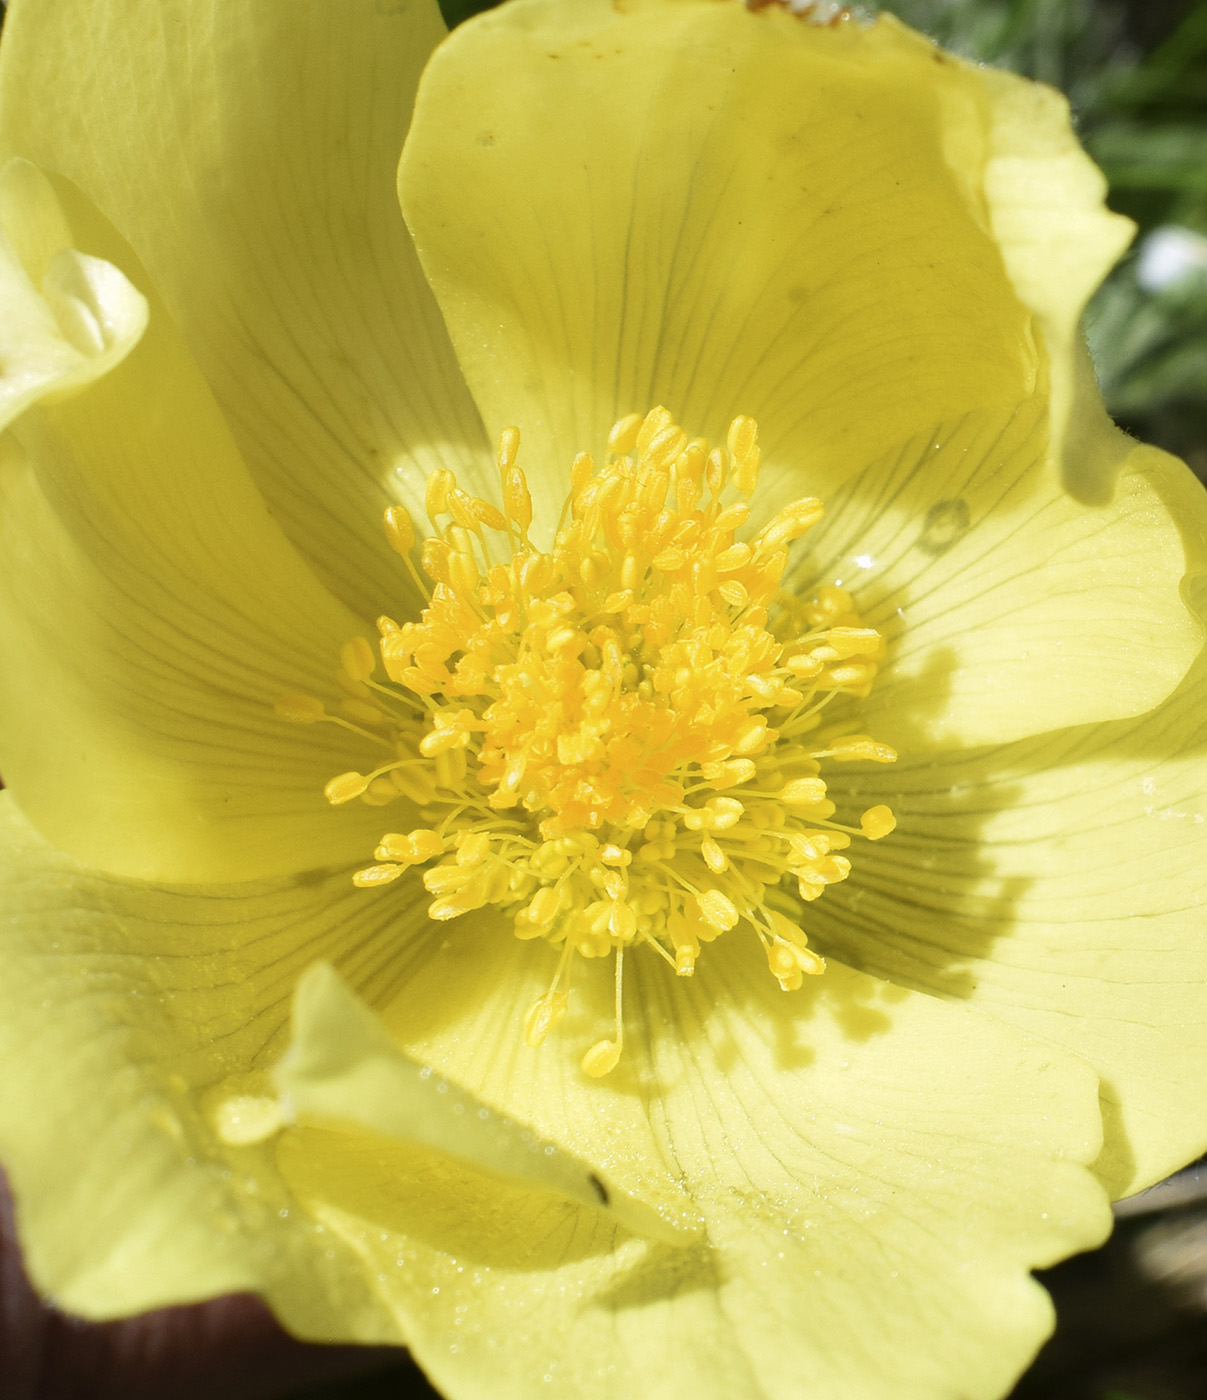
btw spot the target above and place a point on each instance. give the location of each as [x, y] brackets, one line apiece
[435, 498]
[509, 447]
[877, 822]
[609, 741]
[300, 709]
[345, 787]
[400, 530]
[357, 659]
[543, 1015]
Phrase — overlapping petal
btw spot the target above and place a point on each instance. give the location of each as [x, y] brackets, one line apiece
[260, 198]
[169, 1009]
[130, 1015]
[65, 318]
[765, 223]
[1008, 607]
[825, 229]
[855, 1151]
[1058, 884]
[830, 229]
[158, 612]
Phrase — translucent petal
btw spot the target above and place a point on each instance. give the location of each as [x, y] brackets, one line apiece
[271, 230]
[855, 1152]
[65, 318]
[725, 212]
[137, 1026]
[1008, 607]
[153, 612]
[1058, 884]
[1047, 211]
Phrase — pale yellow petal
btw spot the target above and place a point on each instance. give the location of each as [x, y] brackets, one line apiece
[684, 202]
[151, 613]
[1048, 214]
[137, 1116]
[65, 318]
[1008, 607]
[1059, 884]
[248, 155]
[344, 1069]
[856, 1152]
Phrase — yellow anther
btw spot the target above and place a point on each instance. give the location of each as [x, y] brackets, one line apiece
[623, 437]
[651, 425]
[358, 659]
[854, 641]
[616, 741]
[717, 909]
[790, 963]
[361, 712]
[543, 1015]
[859, 746]
[877, 822]
[544, 907]
[517, 499]
[803, 792]
[454, 905]
[472, 847]
[716, 469]
[485, 514]
[435, 556]
[377, 875]
[714, 856]
[300, 709]
[410, 849]
[751, 736]
[601, 1059]
[743, 444]
[581, 472]
[732, 517]
[435, 498]
[509, 448]
[788, 525]
[345, 787]
[445, 879]
[737, 556]
[400, 529]
[463, 572]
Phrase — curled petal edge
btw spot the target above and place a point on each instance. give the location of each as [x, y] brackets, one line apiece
[66, 318]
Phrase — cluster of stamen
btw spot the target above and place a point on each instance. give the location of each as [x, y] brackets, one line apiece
[617, 740]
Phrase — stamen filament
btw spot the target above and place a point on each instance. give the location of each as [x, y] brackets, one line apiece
[617, 740]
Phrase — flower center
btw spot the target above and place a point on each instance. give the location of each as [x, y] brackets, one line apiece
[618, 741]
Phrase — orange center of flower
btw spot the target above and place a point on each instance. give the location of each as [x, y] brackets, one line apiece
[619, 740]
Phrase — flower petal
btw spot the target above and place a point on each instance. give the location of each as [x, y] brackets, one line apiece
[133, 1022]
[270, 229]
[726, 212]
[858, 1152]
[153, 613]
[343, 1068]
[65, 318]
[1008, 607]
[1047, 210]
[1058, 884]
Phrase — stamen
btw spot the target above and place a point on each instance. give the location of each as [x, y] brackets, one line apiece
[619, 739]
[604, 1055]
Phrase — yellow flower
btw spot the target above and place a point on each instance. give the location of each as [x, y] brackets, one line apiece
[881, 255]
